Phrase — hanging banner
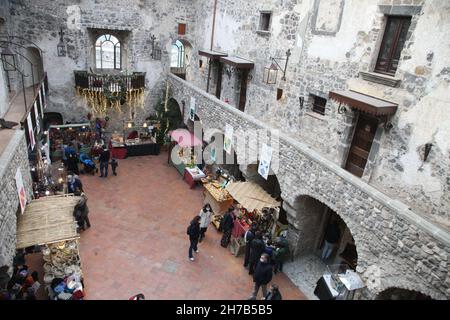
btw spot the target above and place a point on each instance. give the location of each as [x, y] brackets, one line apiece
[264, 161]
[41, 104]
[192, 109]
[228, 139]
[213, 154]
[37, 118]
[43, 98]
[21, 190]
[30, 132]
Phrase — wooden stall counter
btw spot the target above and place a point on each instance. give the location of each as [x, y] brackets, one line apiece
[218, 198]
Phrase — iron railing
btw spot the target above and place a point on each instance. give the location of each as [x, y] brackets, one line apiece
[95, 82]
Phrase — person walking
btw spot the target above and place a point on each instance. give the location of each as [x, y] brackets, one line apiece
[227, 227]
[332, 236]
[194, 233]
[205, 219]
[248, 237]
[262, 276]
[104, 162]
[257, 247]
[274, 293]
[82, 211]
[114, 165]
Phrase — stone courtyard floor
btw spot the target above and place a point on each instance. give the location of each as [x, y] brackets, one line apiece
[138, 242]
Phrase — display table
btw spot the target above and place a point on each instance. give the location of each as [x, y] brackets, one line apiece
[119, 152]
[142, 149]
[239, 228]
[219, 205]
[193, 175]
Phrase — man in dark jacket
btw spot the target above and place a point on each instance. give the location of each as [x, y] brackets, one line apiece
[257, 247]
[332, 237]
[82, 211]
[262, 276]
[194, 233]
[227, 227]
[104, 162]
[248, 238]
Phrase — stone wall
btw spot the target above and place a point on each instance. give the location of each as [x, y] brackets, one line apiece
[14, 156]
[4, 14]
[395, 245]
[40, 22]
[330, 49]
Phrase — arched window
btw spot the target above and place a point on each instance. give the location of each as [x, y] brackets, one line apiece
[177, 58]
[107, 52]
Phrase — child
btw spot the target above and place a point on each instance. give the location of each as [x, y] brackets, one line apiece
[114, 165]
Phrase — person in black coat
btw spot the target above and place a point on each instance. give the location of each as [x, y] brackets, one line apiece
[104, 162]
[81, 211]
[274, 293]
[227, 227]
[257, 247]
[248, 237]
[262, 275]
[194, 233]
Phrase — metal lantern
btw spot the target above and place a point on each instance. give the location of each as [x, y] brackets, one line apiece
[270, 74]
[8, 60]
[61, 47]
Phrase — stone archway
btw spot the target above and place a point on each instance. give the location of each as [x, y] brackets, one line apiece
[395, 293]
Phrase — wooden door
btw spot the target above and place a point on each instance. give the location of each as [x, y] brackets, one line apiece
[361, 144]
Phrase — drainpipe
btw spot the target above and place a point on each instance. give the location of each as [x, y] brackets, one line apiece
[213, 24]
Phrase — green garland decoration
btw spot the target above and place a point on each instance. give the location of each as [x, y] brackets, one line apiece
[109, 94]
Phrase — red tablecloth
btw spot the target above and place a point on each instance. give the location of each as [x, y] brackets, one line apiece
[119, 153]
[239, 228]
[189, 179]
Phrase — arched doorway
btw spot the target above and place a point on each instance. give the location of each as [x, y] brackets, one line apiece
[321, 242]
[402, 294]
[52, 118]
[34, 67]
[180, 58]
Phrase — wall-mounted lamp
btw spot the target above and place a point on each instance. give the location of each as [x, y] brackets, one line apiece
[130, 124]
[61, 46]
[156, 51]
[301, 100]
[229, 71]
[145, 125]
[8, 60]
[271, 72]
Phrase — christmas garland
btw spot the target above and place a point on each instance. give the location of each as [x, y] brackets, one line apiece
[107, 89]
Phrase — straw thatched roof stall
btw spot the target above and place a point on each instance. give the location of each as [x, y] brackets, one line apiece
[251, 196]
[47, 220]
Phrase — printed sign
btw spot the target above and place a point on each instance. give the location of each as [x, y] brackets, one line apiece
[228, 139]
[30, 131]
[192, 109]
[41, 103]
[37, 118]
[213, 154]
[264, 161]
[21, 190]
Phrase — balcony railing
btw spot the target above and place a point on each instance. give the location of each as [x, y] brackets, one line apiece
[95, 82]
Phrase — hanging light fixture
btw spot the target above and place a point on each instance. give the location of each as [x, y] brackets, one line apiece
[145, 125]
[270, 74]
[8, 60]
[130, 124]
[61, 46]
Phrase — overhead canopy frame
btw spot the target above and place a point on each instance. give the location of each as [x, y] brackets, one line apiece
[251, 196]
[364, 103]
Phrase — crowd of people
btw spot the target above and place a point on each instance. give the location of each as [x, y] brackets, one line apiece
[263, 257]
[22, 285]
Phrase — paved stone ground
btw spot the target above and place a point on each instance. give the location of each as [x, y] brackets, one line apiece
[138, 242]
[305, 272]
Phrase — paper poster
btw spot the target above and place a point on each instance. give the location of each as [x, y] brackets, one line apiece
[30, 131]
[43, 98]
[228, 139]
[21, 190]
[192, 109]
[213, 154]
[37, 118]
[41, 104]
[264, 161]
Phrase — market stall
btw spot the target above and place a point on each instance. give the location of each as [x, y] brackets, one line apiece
[185, 142]
[48, 222]
[338, 283]
[217, 196]
[61, 135]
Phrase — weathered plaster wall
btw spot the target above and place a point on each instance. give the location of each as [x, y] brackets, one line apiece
[41, 21]
[394, 244]
[329, 49]
[13, 157]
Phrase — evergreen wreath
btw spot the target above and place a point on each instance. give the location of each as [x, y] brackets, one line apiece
[109, 94]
